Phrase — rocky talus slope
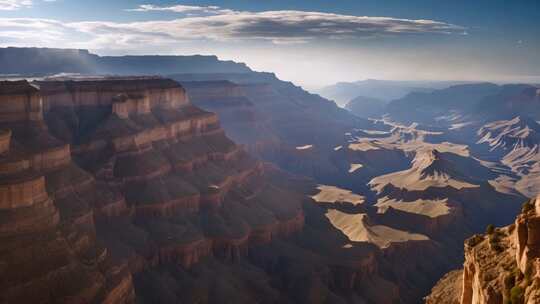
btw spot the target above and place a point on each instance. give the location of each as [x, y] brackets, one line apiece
[502, 266]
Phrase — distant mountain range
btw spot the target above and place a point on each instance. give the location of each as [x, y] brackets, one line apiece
[46, 61]
[386, 90]
[484, 101]
[367, 107]
[454, 104]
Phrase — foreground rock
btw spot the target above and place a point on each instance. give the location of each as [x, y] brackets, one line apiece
[502, 266]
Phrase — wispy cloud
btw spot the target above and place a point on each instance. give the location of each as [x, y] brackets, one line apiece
[12, 5]
[187, 9]
[296, 25]
[212, 23]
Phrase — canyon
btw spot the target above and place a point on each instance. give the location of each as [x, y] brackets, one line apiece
[105, 179]
[223, 183]
[119, 189]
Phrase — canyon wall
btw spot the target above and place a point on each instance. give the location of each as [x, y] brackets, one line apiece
[48, 239]
[112, 177]
[135, 194]
[502, 266]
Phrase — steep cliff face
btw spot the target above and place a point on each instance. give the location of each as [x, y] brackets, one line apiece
[279, 122]
[168, 157]
[134, 193]
[161, 184]
[502, 266]
[47, 233]
[243, 121]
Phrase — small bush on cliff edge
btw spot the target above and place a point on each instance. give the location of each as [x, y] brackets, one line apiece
[516, 295]
[526, 207]
[494, 242]
[490, 229]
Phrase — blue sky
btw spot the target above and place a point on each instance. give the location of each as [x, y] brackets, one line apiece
[309, 42]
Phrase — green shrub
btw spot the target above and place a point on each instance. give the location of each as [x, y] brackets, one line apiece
[516, 295]
[490, 229]
[526, 207]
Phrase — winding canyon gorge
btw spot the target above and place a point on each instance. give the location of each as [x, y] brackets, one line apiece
[187, 179]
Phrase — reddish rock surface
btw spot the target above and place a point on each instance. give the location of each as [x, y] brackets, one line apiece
[149, 185]
[48, 238]
[136, 194]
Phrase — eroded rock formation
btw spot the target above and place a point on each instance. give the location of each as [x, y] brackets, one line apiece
[49, 244]
[105, 178]
[134, 193]
[502, 266]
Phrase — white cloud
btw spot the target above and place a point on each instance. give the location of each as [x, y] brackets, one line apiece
[216, 25]
[188, 9]
[12, 5]
[297, 25]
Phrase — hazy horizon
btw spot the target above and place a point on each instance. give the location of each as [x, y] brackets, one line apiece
[311, 43]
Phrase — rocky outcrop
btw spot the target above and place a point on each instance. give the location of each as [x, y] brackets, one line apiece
[502, 266]
[126, 95]
[25, 102]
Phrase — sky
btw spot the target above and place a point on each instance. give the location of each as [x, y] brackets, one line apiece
[310, 42]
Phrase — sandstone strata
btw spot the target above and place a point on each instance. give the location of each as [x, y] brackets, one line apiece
[145, 198]
[47, 233]
[112, 177]
[502, 266]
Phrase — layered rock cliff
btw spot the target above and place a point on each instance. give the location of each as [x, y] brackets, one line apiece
[48, 235]
[279, 122]
[502, 266]
[116, 190]
[186, 215]
[104, 178]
